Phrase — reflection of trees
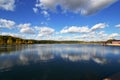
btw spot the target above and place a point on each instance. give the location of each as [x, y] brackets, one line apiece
[11, 48]
[1, 40]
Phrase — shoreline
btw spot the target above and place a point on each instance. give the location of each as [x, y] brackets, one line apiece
[112, 45]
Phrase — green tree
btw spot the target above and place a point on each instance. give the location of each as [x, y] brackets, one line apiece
[18, 41]
[9, 40]
[1, 40]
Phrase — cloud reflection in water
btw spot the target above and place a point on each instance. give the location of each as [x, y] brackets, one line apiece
[43, 53]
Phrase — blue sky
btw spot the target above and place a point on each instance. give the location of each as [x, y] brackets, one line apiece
[89, 20]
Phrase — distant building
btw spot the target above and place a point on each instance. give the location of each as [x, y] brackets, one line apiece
[116, 42]
[112, 42]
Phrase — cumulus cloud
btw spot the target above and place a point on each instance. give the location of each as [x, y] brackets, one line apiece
[44, 31]
[75, 29]
[113, 35]
[45, 13]
[96, 5]
[85, 7]
[25, 28]
[13, 34]
[83, 29]
[35, 10]
[117, 26]
[98, 26]
[8, 5]
[84, 36]
[102, 34]
[6, 23]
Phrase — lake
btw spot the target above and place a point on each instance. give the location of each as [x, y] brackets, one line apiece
[58, 62]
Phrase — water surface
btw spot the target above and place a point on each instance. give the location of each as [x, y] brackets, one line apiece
[58, 62]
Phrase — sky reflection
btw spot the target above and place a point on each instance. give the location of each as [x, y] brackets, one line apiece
[24, 55]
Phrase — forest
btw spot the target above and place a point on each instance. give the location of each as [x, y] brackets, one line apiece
[15, 40]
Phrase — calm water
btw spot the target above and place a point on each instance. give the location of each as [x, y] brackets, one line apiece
[58, 62]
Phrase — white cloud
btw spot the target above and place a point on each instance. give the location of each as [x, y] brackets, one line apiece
[84, 36]
[8, 5]
[117, 26]
[102, 34]
[75, 29]
[35, 10]
[6, 23]
[99, 60]
[45, 31]
[45, 13]
[96, 5]
[91, 36]
[113, 35]
[13, 34]
[85, 7]
[83, 33]
[83, 29]
[24, 25]
[44, 23]
[25, 28]
[98, 26]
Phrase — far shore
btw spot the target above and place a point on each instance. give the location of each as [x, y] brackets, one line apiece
[112, 44]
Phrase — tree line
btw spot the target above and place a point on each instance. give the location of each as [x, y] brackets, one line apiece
[15, 40]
